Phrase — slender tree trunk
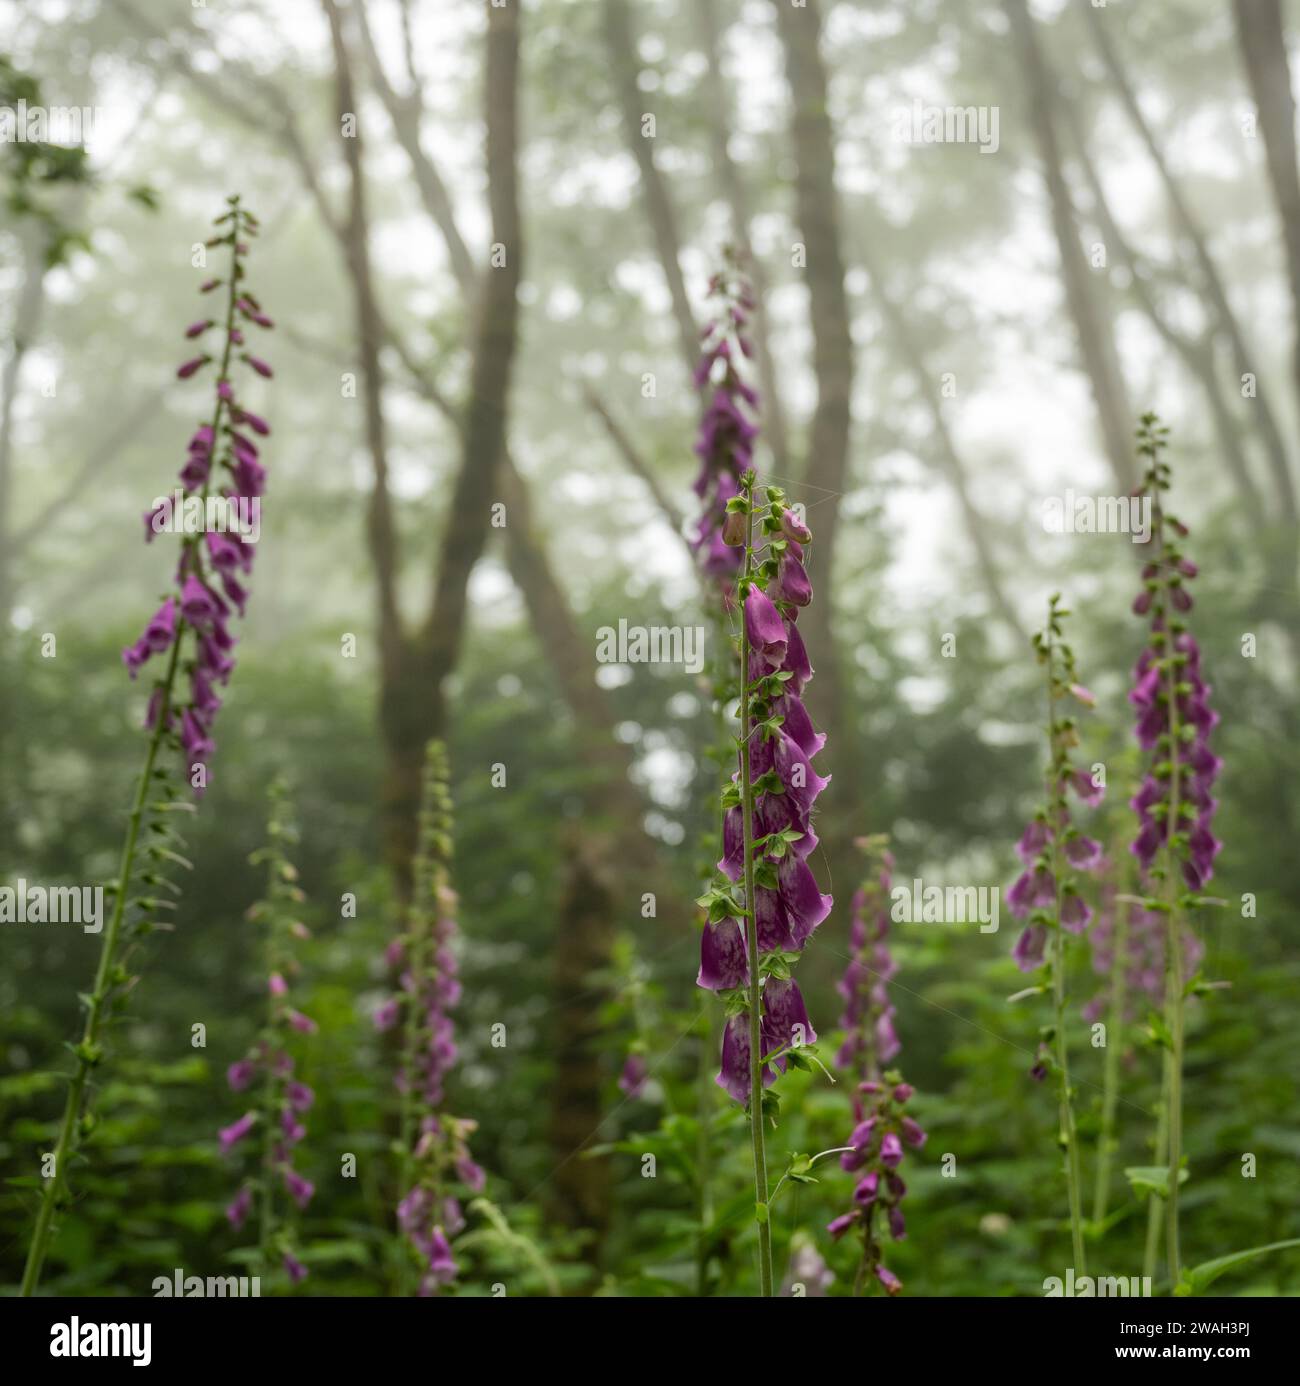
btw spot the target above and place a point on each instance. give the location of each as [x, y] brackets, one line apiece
[413, 668]
[27, 315]
[1261, 411]
[1197, 355]
[1263, 47]
[717, 93]
[1096, 344]
[824, 475]
[621, 45]
[579, 1192]
[478, 484]
[405, 111]
[977, 530]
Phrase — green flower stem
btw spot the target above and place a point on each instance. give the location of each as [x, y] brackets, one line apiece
[1106, 1143]
[751, 928]
[1174, 1010]
[704, 1151]
[105, 980]
[88, 1050]
[1156, 1204]
[1055, 794]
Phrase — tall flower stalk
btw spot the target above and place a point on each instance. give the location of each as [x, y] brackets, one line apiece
[280, 1117]
[434, 1157]
[728, 426]
[881, 1128]
[190, 630]
[725, 447]
[1175, 845]
[1047, 896]
[767, 831]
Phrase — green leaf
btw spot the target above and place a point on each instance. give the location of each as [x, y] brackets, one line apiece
[1152, 1179]
[1198, 1278]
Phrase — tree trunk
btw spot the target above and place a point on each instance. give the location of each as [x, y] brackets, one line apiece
[717, 93]
[405, 112]
[1263, 47]
[1096, 344]
[659, 208]
[977, 531]
[824, 475]
[1261, 411]
[579, 1192]
[1197, 355]
[413, 670]
[27, 314]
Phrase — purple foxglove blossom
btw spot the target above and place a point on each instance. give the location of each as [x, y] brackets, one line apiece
[240, 1206]
[305, 1025]
[733, 1077]
[802, 783]
[259, 366]
[235, 591]
[867, 1190]
[198, 605]
[300, 1097]
[226, 555]
[188, 368]
[297, 1272]
[897, 1225]
[442, 1266]
[794, 528]
[837, 1227]
[1083, 853]
[231, 1135]
[1035, 837]
[1075, 913]
[240, 1074]
[798, 726]
[891, 1150]
[412, 1210]
[1032, 890]
[254, 421]
[768, 636]
[785, 1018]
[887, 1043]
[889, 1280]
[772, 923]
[249, 476]
[197, 329]
[300, 1189]
[863, 1133]
[912, 1133]
[133, 656]
[732, 862]
[796, 660]
[723, 965]
[276, 985]
[1029, 950]
[471, 1174]
[194, 473]
[161, 630]
[806, 906]
[632, 1080]
[792, 583]
[1091, 794]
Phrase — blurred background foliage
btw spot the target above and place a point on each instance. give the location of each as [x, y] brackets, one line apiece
[943, 753]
